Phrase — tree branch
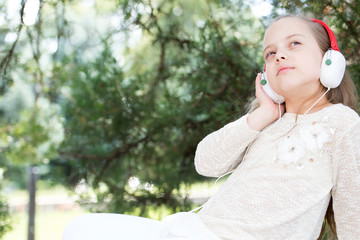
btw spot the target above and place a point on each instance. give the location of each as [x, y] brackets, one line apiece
[5, 62]
[115, 154]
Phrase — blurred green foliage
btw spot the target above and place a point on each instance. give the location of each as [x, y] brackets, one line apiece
[5, 220]
[186, 77]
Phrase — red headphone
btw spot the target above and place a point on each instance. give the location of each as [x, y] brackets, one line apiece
[334, 45]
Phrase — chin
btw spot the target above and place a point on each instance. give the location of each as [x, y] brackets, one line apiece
[286, 89]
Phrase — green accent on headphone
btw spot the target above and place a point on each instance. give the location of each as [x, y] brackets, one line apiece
[328, 62]
[263, 82]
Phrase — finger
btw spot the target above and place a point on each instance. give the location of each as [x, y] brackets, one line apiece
[258, 87]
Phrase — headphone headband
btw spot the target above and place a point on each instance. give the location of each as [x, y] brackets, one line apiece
[334, 45]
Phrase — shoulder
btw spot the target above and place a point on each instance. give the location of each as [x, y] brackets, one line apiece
[343, 127]
[342, 117]
[340, 123]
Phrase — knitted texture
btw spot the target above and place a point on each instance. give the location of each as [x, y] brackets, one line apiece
[281, 189]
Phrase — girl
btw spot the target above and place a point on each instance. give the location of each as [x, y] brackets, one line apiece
[295, 168]
[291, 163]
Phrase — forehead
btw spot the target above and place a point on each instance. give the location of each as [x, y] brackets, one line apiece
[285, 27]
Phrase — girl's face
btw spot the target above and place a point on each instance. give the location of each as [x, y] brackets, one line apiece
[293, 59]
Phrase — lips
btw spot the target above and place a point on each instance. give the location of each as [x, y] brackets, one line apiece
[284, 69]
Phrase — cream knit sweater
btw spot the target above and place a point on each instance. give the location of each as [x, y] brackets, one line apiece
[282, 188]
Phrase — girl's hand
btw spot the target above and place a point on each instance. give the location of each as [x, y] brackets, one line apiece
[267, 112]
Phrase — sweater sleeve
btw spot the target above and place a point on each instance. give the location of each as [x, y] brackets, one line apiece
[346, 190]
[221, 151]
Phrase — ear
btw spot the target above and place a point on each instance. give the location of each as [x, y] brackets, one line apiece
[332, 69]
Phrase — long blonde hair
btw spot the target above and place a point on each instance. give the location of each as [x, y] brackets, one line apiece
[345, 93]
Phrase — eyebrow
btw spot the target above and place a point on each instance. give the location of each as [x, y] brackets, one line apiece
[290, 36]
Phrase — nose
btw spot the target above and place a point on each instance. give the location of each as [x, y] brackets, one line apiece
[281, 55]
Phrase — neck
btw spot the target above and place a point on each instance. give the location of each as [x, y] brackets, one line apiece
[300, 106]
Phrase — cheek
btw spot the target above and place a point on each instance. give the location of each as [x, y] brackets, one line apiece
[271, 77]
[276, 84]
[313, 64]
[314, 69]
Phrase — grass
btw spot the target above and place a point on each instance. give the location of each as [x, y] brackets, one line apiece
[50, 222]
[48, 225]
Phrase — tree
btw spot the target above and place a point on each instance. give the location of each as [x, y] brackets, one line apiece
[28, 118]
[132, 135]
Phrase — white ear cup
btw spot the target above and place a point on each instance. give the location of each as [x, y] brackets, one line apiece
[332, 69]
[269, 91]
